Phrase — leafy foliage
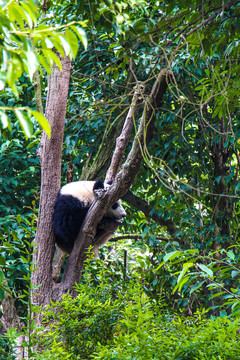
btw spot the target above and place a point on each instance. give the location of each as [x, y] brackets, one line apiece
[115, 320]
[171, 338]
[25, 45]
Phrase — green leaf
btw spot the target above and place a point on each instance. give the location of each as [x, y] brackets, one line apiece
[5, 120]
[2, 293]
[19, 218]
[2, 260]
[234, 273]
[15, 13]
[186, 267]
[197, 286]
[3, 76]
[183, 282]
[57, 43]
[24, 122]
[42, 122]
[154, 283]
[231, 255]
[65, 45]
[45, 64]
[217, 294]
[14, 71]
[52, 57]
[172, 255]
[73, 42]
[206, 270]
[81, 35]
[31, 10]
[31, 62]
[1, 277]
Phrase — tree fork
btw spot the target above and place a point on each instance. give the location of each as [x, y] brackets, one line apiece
[121, 185]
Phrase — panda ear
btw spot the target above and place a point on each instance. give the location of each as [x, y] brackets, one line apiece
[99, 184]
[98, 188]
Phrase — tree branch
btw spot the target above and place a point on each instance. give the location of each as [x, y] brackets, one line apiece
[213, 16]
[135, 237]
[121, 185]
[149, 212]
[123, 138]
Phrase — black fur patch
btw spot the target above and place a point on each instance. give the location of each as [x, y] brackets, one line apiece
[99, 184]
[68, 217]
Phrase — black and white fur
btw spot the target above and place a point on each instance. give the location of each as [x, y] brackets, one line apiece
[72, 204]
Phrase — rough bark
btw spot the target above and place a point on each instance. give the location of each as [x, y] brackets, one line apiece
[50, 154]
[38, 93]
[123, 138]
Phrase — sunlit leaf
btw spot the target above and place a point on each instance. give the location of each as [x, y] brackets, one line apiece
[45, 64]
[52, 57]
[172, 255]
[65, 45]
[185, 269]
[81, 35]
[42, 122]
[5, 121]
[73, 41]
[31, 63]
[24, 122]
[206, 270]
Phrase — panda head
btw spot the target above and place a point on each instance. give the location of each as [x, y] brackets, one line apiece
[116, 211]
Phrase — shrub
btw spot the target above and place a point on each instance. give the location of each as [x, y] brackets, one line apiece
[174, 339]
[112, 319]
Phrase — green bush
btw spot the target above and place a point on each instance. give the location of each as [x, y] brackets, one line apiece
[80, 324]
[173, 339]
[112, 319]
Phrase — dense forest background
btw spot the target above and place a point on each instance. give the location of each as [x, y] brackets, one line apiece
[167, 285]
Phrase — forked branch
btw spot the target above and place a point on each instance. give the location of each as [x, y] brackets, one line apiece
[122, 182]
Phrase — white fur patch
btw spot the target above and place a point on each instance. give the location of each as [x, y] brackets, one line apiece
[82, 190]
[118, 213]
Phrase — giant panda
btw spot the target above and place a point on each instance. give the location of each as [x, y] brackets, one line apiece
[71, 206]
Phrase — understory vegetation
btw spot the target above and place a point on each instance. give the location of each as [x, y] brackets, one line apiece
[114, 318]
[167, 285]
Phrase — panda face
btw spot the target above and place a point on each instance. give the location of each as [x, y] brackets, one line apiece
[116, 211]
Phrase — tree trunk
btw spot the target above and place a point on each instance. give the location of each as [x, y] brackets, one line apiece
[50, 154]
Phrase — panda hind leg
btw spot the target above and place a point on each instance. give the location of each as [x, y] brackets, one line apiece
[105, 232]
